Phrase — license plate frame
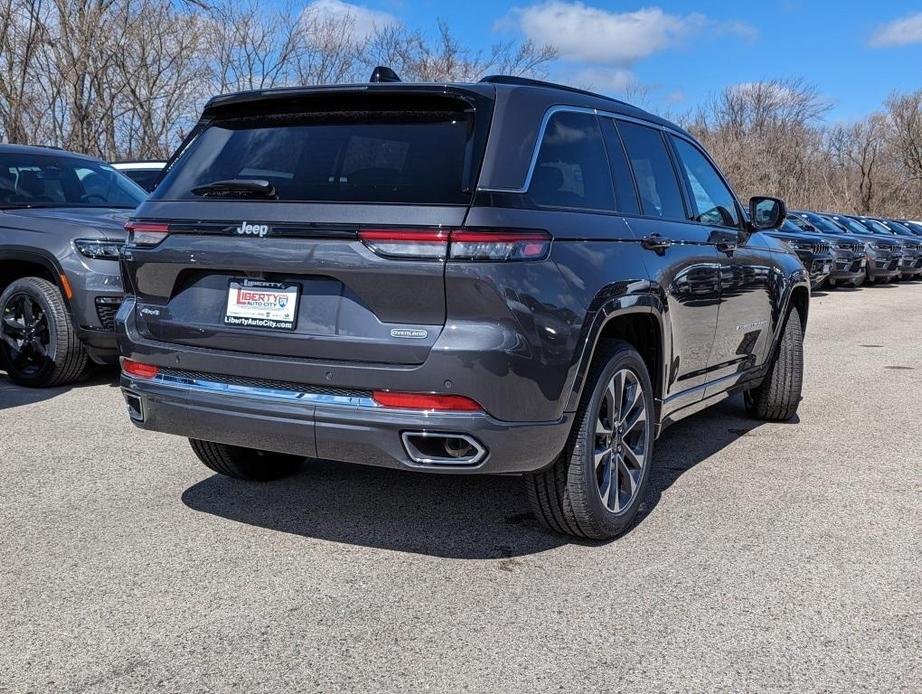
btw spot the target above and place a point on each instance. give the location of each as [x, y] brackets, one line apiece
[261, 304]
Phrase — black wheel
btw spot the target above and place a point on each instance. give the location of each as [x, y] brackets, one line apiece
[858, 282]
[778, 396]
[245, 463]
[594, 488]
[38, 344]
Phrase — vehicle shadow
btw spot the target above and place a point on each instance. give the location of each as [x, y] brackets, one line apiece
[449, 516]
[12, 395]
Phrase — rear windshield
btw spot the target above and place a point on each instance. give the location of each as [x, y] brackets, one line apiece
[423, 157]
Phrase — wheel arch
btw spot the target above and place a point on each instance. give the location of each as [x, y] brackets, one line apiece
[635, 319]
[800, 299]
[16, 263]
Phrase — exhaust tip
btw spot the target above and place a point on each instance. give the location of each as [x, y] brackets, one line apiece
[135, 405]
[435, 448]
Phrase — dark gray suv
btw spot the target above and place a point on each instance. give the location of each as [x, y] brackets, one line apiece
[502, 277]
[62, 219]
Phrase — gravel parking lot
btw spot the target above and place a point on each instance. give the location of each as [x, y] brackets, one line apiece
[768, 556]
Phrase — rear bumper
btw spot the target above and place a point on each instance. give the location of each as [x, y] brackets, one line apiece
[334, 427]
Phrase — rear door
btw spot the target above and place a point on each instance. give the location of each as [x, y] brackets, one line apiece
[744, 321]
[682, 259]
[310, 230]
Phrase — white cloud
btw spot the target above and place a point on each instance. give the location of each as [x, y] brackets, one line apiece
[365, 21]
[604, 79]
[900, 32]
[587, 34]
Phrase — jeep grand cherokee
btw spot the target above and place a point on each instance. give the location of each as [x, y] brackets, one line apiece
[501, 277]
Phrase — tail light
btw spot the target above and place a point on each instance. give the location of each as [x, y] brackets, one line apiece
[139, 370]
[146, 233]
[419, 244]
[474, 245]
[499, 245]
[425, 401]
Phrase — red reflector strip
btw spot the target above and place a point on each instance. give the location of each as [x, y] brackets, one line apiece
[139, 370]
[425, 401]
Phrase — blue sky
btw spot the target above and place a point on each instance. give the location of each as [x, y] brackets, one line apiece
[683, 51]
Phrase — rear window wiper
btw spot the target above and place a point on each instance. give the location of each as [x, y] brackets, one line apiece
[237, 188]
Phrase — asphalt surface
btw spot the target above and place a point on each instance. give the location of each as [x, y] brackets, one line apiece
[768, 557]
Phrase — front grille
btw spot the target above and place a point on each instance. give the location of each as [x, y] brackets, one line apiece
[245, 382]
[106, 308]
[849, 246]
[821, 248]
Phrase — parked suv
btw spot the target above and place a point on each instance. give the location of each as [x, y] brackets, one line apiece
[849, 260]
[501, 277]
[814, 251]
[145, 173]
[62, 219]
[885, 254]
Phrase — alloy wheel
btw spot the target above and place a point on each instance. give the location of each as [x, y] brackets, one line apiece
[620, 452]
[25, 334]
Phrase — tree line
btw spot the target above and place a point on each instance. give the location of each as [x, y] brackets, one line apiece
[126, 79]
[772, 138]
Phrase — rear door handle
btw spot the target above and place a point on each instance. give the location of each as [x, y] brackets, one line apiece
[655, 242]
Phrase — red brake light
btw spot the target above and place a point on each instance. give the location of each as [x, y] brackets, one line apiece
[419, 244]
[139, 370]
[146, 233]
[425, 401]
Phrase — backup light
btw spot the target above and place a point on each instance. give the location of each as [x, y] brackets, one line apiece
[146, 234]
[473, 245]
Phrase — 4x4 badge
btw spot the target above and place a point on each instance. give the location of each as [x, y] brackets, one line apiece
[410, 333]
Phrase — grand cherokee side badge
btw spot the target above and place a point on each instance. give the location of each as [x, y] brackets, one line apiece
[410, 333]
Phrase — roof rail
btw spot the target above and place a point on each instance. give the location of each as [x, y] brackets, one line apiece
[527, 82]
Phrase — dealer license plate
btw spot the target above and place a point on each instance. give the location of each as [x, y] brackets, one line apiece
[259, 304]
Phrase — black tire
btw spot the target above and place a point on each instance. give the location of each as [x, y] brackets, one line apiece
[858, 282]
[778, 396]
[60, 359]
[245, 463]
[566, 497]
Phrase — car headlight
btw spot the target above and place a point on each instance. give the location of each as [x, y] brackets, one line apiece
[99, 249]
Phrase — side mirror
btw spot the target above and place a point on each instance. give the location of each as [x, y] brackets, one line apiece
[766, 213]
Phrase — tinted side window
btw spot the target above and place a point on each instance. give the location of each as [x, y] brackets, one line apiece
[713, 201]
[625, 194]
[660, 195]
[572, 167]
